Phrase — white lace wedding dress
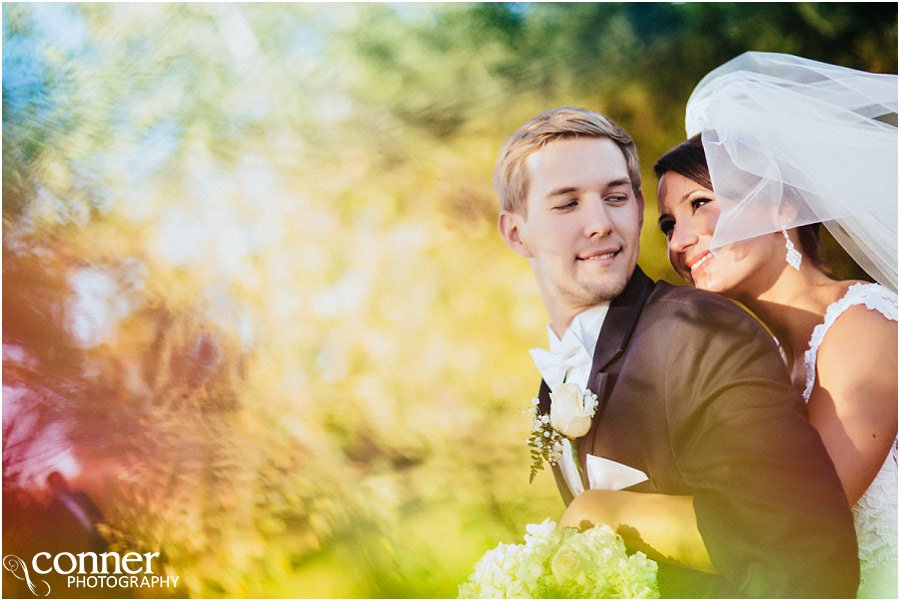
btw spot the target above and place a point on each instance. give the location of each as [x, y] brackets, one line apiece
[875, 514]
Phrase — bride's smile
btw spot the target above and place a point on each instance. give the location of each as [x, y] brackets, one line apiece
[695, 263]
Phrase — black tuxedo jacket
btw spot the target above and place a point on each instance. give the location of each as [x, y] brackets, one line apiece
[694, 393]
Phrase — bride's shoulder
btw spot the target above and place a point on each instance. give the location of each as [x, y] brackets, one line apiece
[858, 307]
[863, 316]
[874, 296]
[857, 327]
[859, 342]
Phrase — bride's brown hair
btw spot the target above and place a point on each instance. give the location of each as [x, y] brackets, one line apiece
[689, 159]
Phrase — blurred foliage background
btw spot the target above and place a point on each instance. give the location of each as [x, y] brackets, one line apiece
[254, 300]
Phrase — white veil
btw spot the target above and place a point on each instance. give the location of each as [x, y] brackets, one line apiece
[791, 141]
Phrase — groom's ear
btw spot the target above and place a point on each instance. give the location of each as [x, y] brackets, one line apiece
[511, 226]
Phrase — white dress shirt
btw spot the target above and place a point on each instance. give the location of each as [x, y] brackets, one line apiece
[582, 333]
[570, 359]
[585, 329]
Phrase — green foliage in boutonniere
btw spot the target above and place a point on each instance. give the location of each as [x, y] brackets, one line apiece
[572, 409]
[545, 442]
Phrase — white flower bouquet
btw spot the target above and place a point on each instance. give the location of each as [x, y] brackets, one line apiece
[556, 564]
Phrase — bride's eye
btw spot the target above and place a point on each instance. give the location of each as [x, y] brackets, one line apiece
[699, 202]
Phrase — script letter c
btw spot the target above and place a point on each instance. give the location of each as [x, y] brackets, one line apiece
[35, 565]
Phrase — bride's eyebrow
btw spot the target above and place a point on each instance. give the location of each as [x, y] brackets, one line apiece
[692, 193]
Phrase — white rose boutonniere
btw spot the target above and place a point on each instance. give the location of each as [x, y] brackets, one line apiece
[572, 409]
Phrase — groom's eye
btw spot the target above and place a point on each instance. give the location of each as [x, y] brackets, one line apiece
[567, 205]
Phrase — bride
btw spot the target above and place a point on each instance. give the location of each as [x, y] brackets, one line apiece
[779, 145]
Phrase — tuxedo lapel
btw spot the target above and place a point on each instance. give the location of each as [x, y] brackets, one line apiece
[615, 334]
[544, 408]
[619, 323]
[544, 398]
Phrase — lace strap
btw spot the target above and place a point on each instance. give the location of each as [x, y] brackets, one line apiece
[874, 296]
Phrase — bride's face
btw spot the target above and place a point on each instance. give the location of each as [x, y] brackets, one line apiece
[688, 214]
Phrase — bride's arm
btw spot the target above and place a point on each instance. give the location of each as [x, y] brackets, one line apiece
[854, 402]
[664, 527]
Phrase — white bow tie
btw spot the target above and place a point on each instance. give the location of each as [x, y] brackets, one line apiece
[571, 355]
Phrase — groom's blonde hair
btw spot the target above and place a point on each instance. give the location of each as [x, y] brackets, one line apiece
[511, 175]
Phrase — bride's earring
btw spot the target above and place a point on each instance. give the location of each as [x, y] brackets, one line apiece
[793, 255]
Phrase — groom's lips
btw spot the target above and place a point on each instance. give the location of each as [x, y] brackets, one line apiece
[603, 254]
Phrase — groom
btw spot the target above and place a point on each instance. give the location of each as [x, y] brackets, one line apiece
[693, 396]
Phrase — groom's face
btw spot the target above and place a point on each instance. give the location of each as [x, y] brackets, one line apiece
[583, 221]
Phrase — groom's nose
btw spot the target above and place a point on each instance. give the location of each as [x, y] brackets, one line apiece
[597, 220]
